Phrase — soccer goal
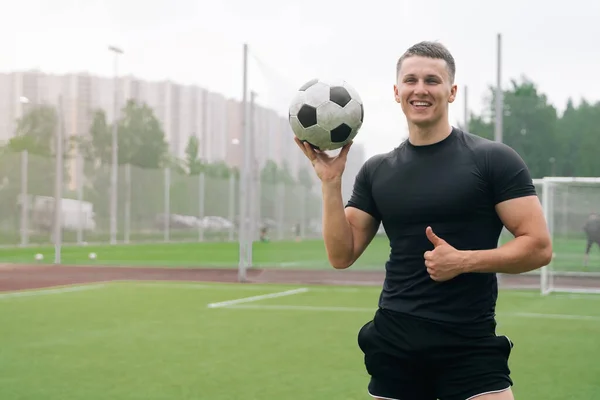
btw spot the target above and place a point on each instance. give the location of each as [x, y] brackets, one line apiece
[568, 203]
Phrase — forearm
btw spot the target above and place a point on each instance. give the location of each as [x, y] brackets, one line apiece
[337, 232]
[522, 254]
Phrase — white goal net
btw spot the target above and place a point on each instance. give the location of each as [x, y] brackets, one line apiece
[569, 206]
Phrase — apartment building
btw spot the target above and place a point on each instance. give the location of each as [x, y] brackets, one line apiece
[183, 111]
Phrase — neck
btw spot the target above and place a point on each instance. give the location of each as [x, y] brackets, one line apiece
[420, 135]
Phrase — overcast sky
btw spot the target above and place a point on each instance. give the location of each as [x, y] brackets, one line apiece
[555, 43]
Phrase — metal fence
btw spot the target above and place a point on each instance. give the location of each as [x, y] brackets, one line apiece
[153, 205]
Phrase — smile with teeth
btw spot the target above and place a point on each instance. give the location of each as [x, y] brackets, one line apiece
[420, 104]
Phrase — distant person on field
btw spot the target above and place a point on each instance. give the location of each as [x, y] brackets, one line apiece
[264, 234]
[297, 232]
[592, 233]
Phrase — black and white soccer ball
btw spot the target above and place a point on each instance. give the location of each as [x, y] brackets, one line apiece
[326, 114]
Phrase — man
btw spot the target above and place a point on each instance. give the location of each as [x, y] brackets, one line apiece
[592, 233]
[443, 196]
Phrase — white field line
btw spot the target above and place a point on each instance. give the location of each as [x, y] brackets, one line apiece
[585, 295]
[42, 292]
[581, 295]
[303, 308]
[257, 298]
[291, 264]
[372, 310]
[552, 316]
[239, 286]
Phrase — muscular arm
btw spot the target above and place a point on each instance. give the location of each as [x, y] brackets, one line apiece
[346, 231]
[519, 209]
[530, 249]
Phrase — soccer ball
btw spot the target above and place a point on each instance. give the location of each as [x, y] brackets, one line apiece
[326, 114]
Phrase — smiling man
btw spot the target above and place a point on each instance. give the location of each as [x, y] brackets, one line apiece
[443, 196]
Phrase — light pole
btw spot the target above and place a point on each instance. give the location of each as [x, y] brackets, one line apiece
[113, 173]
[499, 114]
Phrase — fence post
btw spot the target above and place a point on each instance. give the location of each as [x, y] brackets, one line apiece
[24, 200]
[167, 195]
[280, 204]
[201, 196]
[58, 184]
[303, 222]
[231, 197]
[80, 219]
[127, 216]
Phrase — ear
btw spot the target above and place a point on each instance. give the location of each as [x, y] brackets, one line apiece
[453, 91]
[396, 94]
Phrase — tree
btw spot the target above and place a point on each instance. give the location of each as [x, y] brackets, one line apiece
[36, 133]
[550, 144]
[481, 127]
[218, 169]
[142, 145]
[97, 146]
[272, 173]
[269, 172]
[285, 174]
[305, 179]
[579, 138]
[141, 138]
[192, 160]
[530, 125]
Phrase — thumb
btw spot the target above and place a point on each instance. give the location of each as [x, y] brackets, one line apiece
[433, 238]
[344, 151]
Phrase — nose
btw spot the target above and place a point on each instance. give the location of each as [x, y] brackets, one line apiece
[420, 88]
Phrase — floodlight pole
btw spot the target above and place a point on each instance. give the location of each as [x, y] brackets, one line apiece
[114, 167]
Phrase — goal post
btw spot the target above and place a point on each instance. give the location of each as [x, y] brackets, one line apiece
[568, 202]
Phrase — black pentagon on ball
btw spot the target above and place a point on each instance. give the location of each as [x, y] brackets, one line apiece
[340, 133]
[362, 113]
[308, 84]
[307, 115]
[339, 95]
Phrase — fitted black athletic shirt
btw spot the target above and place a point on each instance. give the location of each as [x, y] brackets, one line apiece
[452, 186]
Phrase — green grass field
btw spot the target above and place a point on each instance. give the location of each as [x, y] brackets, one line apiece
[286, 254]
[162, 341]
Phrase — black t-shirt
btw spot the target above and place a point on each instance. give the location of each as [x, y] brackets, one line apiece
[452, 186]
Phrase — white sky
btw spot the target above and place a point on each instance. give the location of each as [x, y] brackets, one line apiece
[555, 43]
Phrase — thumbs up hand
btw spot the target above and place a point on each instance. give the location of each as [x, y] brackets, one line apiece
[444, 262]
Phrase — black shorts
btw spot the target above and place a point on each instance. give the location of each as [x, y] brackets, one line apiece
[410, 358]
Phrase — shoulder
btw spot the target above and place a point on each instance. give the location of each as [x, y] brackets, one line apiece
[501, 166]
[593, 222]
[481, 145]
[374, 163]
[489, 153]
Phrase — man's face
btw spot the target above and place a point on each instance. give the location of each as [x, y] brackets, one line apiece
[424, 90]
